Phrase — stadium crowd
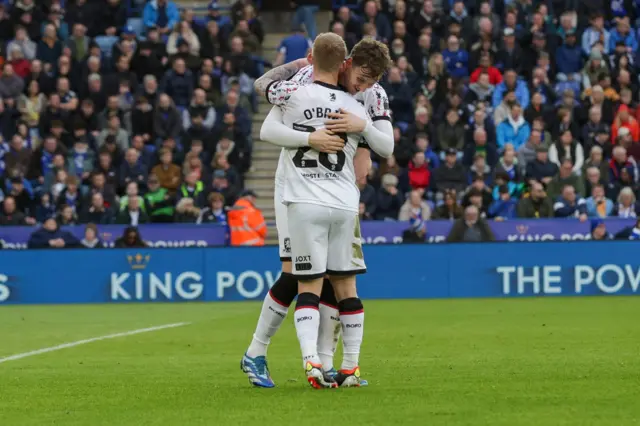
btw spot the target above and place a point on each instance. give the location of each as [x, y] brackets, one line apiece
[521, 108]
[123, 111]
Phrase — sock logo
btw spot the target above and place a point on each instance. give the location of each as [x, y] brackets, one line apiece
[303, 319]
[280, 314]
[287, 245]
[335, 318]
[354, 325]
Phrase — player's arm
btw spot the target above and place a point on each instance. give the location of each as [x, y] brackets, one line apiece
[362, 165]
[379, 133]
[274, 131]
[279, 73]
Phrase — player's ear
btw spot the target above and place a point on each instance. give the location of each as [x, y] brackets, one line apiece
[346, 65]
[310, 58]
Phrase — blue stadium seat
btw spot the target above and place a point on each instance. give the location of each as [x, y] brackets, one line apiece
[106, 44]
[137, 25]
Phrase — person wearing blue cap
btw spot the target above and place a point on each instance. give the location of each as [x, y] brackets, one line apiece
[599, 230]
[224, 21]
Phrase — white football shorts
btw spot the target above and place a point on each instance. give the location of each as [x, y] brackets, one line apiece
[324, 240]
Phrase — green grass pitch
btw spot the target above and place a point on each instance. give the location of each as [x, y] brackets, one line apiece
[544, 361]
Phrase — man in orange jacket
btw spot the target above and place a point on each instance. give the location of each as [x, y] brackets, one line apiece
[246, 223]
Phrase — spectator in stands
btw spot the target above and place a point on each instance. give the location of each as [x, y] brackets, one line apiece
[504, 207]
[450, 174]
[597, 204]
[91, 239]
[627, 205]
[456, 59]
[18, 157]
[162, 14]
[400, 96]
[193, 188]
[541, 169]
[200, 112]
[618, 163]
[567, 148]
[186, 211]
[167, 173]
[132, 215]
[599, 231]
[45, 208]
[11, 85]
[593, 178]
[118, 135]
[49, 48]
[389, 199]
[349, 38]
[70, 195]
[51, 236]
[232, 118]
[415, 207]
[570, 205]
[624, 120]
[566, 177]
[511, 83]
[451, 132]
[97, 212]
[374, 16]
[183, 34]
[160, 203]
[215, 212]
[247, 225]
[569, 59]
[514, 130]
[10, 215]
[67, 217]
[250, 42]
[24, 43]
[167, 123]
[133, 170]
[470, 228]
[537, 205]
[292, 47]
[130, 239]
[31, 104]
[81, 159]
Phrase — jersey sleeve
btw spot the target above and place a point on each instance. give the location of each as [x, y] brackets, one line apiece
[376, 102]
[278, 92]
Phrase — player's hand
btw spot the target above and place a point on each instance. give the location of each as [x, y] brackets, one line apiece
[345, 122]
[324, 140]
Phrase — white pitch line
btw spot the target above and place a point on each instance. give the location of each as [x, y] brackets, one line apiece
[94, 339]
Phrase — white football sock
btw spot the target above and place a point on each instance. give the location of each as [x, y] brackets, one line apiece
[352, 331]
[328, 335]
[271, 318]
[307, 321]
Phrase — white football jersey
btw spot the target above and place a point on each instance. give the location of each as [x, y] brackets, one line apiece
[310, 176]
[374, 99]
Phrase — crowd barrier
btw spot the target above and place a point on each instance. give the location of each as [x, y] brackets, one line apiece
[394, 271]
[373, 232]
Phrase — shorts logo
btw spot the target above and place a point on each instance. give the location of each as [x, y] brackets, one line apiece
[303, 263]
[304, 266]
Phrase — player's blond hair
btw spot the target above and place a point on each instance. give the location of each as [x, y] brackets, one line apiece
[329, 52]
[372, 56]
